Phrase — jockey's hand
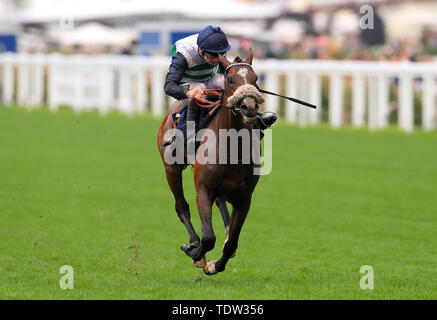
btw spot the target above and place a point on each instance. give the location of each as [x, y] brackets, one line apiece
[195, 93]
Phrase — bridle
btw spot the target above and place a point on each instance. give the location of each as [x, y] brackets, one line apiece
[208, 104]
[234, 108]
[237, 64]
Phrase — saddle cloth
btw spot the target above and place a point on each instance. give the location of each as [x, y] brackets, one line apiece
[203, 117]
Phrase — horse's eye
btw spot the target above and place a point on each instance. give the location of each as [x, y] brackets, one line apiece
[230, 80]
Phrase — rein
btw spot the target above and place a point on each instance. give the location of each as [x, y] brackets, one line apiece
[207, 104]
[203, 103]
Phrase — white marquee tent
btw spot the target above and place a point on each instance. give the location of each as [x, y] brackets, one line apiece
[53, 10]
[93, 33]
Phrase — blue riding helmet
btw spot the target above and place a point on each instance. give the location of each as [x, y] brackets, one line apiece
[212, 39]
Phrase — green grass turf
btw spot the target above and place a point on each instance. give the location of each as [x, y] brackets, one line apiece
[90, 192]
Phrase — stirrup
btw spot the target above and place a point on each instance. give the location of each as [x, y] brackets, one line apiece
[169, 141]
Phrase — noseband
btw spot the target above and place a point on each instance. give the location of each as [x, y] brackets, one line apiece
[250, 90]
[233, 107]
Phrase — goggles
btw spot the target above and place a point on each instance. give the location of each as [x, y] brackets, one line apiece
[213, 54]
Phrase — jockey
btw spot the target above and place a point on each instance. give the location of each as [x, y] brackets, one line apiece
[195, 66]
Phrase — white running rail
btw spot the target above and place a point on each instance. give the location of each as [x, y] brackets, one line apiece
[135, 85]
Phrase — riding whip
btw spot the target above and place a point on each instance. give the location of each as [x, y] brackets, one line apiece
[289, 98]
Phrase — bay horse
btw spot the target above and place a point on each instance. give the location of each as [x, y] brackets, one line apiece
[215, 182]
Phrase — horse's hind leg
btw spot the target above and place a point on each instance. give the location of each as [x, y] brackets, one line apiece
[174, 179]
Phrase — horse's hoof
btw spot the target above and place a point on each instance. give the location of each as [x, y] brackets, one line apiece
[209, 269]
[201, 263]
[187, 248]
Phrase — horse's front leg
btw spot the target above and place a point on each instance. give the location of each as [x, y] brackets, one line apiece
[204, 205]
[221, 204]
[239, 214]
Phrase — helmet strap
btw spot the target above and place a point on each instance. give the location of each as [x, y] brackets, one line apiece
[201, 54]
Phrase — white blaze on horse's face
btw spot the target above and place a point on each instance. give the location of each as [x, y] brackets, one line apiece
[243, 73]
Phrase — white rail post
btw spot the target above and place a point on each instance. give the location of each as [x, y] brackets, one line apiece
[106, 87]
[406, 106]
[8, 80]
[336, 100]
[428, 103]
[52, 88]
[372, 104]
[383, 101]
[303, 89]
[290, 107]
[315, 98]
[358, 100]
[272, 84]
[140, 103]
[125, 104]
[38, 81]
[78, 75]
[23, 80]
[157, 92]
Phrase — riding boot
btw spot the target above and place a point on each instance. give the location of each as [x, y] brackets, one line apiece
[265, 120]
[172, 139]
[192, 115]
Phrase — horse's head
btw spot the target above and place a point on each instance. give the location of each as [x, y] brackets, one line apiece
[241, 91]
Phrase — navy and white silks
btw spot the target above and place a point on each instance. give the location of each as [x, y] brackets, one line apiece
[188, 70]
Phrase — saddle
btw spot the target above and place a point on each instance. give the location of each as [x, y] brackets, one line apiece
[180, 118]
[206, 114]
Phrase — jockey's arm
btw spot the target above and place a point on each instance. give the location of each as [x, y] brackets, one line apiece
[175, 73]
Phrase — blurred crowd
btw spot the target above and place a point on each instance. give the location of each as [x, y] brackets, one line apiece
[350, 48]
[322, 47]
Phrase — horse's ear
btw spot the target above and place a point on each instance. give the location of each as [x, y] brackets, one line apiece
[225, 63]
[249, 57]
